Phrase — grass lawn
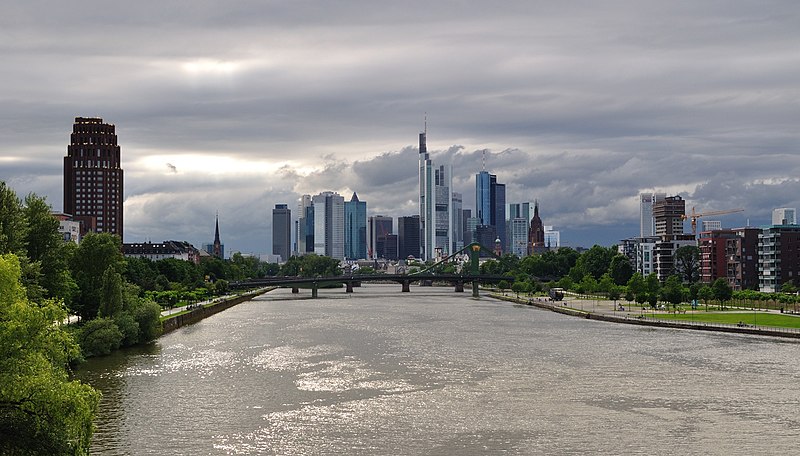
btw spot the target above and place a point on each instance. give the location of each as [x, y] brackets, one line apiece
[732, 318]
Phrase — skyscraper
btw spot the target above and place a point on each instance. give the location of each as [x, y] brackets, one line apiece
[490, 202]
[435, 205]
[282, 231]
[380, 226]
[329, 224]
[784, 216]
[668, 214]
[93, 192]
[304, 226]
[355, 229]
[408, 236]
[647, 223]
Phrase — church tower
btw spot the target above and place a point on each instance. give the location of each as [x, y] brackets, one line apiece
[536, 233]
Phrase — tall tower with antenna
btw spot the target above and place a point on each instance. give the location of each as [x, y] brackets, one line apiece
[435, 204]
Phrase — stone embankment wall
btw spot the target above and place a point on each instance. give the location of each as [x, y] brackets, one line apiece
[174, 322]
[774, 332]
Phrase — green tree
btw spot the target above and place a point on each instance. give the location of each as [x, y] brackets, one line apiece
[99, 336]
[41, 410]
[48, 252]
[620, 269]
[687, 263]
[96, 254]
[705, 293]
[637, 288]
[653, 287]
[722, 291]
[13, 228]
[606, 283]
[672, 291]
[111, 297]
[595, 261]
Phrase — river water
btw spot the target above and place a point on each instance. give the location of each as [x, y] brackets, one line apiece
[439, 373]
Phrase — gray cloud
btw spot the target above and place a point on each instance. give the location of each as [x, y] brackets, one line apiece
[253, 104]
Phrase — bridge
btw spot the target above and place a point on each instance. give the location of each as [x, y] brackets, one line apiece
[355, 280]
[424, 276]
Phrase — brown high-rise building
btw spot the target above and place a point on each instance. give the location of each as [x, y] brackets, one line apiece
[93, 177]
[669, 215]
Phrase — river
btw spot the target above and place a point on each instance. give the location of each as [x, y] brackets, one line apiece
[439, 373]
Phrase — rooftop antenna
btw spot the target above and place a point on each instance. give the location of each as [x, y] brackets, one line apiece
[484, 160]
[426, 124]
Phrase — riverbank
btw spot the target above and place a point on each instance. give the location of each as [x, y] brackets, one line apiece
[190, 316]
[610, 314]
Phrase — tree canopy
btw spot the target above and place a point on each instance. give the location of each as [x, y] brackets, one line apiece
[41, 410]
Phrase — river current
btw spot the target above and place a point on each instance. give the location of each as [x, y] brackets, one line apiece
[435, 372]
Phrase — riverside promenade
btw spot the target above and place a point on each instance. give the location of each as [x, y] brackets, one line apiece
[621, 312]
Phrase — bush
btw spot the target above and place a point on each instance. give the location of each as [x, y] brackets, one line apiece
[129, 328]
[148, 315]
[99, 337]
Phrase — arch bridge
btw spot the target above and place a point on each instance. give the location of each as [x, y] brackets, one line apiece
[427, 275]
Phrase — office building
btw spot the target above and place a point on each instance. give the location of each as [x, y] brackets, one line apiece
[486, 236]
[711, 225]
[458, 220]
[435, 205]
[520, 210]
[329, 224]
[355, 229]
[647, 221]
[379, 227]
[304, 226]
[282, 231]
[552, 238]
[518, 236]
[490, 204]
[784, 216]
[93, 178]
[408, 237]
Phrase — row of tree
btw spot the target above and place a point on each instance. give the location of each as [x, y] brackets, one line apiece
[42, 411]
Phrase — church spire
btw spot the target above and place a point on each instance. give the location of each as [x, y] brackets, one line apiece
[217, 248]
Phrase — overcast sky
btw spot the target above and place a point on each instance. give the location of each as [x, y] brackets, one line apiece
[232, 107]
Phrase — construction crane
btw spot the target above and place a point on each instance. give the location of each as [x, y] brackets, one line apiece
[696, 215]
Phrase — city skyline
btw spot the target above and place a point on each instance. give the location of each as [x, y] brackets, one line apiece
[581, 108]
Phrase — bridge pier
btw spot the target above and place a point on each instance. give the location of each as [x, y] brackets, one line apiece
[459, 286]
[314, 290]
[349, 287]
[295, 290]
[406, 286]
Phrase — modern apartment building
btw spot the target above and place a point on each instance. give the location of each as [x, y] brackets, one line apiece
[778, 257]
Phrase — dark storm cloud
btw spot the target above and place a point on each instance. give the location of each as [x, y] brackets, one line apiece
[579, 105]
